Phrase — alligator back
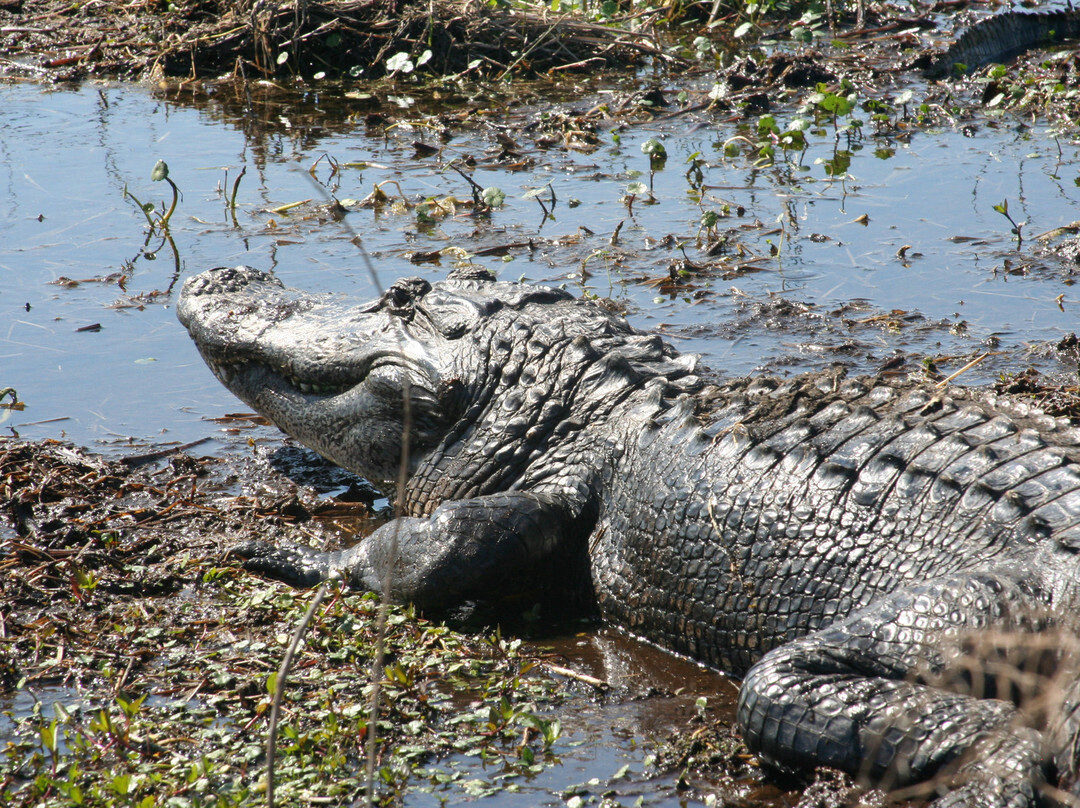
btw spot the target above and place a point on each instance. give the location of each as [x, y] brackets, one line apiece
[798, 502]
[1004, 36]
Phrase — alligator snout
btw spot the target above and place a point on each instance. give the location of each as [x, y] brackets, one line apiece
[227, 280]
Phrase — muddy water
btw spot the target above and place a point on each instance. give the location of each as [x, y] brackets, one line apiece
[89, 340]
[609, 738]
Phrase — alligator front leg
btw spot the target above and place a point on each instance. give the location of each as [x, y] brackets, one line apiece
[467, 549]
[854, 696]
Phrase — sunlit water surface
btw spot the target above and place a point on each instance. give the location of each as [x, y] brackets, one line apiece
[66, 157]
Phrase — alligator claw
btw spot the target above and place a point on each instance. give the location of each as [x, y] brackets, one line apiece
[295, 565]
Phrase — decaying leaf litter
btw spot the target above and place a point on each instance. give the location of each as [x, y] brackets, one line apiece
[120, 602]
[115, 574]
[117, 594]
[356, 38]
[445, 41]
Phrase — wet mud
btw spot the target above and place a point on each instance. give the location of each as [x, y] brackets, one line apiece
[121, 605]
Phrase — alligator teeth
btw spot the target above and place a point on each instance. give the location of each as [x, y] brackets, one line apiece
[315, 389]
[222, 371]
[225, 370]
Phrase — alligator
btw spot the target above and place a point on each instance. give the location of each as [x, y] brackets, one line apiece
[1004, 36]
[844, 545]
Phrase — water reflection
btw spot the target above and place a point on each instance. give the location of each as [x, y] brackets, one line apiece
[905, 254]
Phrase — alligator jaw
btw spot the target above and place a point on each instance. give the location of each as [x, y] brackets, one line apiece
[237, 373]
[330, 374]
[254, 335]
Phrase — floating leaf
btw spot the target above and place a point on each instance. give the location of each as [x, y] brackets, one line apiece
[400, 63]
[493, 197]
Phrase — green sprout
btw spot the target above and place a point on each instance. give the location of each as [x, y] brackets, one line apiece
[1003, 209]
[633, 191]
[161, 172]
[536, 193]
[236, 187]
[493, 197]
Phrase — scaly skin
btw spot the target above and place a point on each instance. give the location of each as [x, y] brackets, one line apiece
[832, 541]
[1004, 36]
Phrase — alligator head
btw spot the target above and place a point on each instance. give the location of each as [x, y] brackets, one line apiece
[333, 373]
[500, 360]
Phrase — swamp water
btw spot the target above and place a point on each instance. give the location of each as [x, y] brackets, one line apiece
[90, 342]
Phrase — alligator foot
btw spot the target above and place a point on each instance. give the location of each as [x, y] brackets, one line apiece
[1002, 772]
[295, 565]
[854, 696]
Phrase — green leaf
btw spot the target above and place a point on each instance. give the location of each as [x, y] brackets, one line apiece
[121, 784]
[400, 63]
[653, 148]
[493, 197]
[48, 736]
[160, 172]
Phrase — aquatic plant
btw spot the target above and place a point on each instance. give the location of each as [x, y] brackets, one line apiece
[1003, 209]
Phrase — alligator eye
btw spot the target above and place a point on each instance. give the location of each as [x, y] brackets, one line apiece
[402, 296]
